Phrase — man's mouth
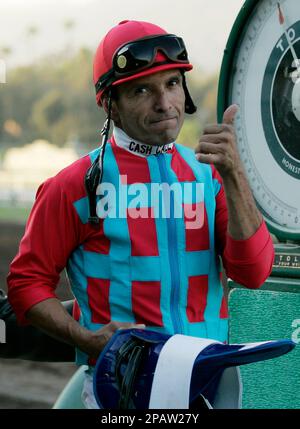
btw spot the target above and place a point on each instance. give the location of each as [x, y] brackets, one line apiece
[162, 120]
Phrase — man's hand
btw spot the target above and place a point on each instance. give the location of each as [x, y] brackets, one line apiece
[217, 145]
[97, 340]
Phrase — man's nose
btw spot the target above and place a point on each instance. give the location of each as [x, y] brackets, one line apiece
[162, 101]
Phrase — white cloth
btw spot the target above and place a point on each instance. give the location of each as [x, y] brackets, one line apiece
[87, 395]
[138, 148]
[173, 372]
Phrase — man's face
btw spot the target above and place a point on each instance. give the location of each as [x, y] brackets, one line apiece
[151, 108]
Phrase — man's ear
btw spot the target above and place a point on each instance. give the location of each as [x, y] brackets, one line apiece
[114, 109]
[105, 104]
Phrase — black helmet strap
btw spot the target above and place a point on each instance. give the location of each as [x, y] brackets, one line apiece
[190, 107]
[94, 174]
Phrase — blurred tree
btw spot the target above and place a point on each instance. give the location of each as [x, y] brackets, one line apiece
[12, 127]
[32, 31]
[55, 99]
[47, 112]
[31, 39]
[25, 86]
[190, 133]
[69, 24]
[5, 51]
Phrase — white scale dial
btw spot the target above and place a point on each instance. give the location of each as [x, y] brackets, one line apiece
[265, 83]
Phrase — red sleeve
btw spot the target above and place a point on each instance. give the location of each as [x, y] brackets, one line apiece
[248, 262]
[51, 233]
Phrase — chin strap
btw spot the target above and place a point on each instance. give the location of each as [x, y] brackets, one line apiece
[190, 107]
[129, 356]
[94, 174]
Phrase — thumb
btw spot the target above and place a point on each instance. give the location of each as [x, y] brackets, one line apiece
[229, 114]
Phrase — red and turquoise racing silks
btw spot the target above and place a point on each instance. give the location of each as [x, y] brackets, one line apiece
[153, 269]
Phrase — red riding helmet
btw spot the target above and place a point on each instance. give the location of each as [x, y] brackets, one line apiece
[136, 48]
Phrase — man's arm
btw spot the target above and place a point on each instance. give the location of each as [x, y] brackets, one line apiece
[241, 234]
[52, 233]
[31, 343]
[244, 218]
[217, 146]
[51, 317]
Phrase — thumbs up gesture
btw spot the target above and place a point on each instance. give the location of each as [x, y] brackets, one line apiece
[217, 145]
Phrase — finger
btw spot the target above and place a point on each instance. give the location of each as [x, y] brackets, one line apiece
[132, 326]
[208, 147]
[207, 158]
[215, 138]
[229, 114]
[213, 129]
[217, 129]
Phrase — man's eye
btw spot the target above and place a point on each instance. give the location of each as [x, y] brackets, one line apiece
[174, 82]
[141, 90]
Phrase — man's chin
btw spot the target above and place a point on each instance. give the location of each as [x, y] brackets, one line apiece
[162, 139]
[163, 136]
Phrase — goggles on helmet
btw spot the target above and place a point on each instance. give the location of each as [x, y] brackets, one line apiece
[140, 54]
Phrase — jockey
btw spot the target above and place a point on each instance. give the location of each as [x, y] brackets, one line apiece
[142, 223]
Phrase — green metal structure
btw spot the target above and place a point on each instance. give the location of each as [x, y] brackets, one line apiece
[270, 313]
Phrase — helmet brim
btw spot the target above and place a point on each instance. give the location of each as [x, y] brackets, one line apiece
[147, 72]
[152, 70]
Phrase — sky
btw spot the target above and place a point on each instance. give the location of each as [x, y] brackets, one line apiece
[204, 25]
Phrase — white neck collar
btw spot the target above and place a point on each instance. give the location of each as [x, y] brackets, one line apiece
[138, 148]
